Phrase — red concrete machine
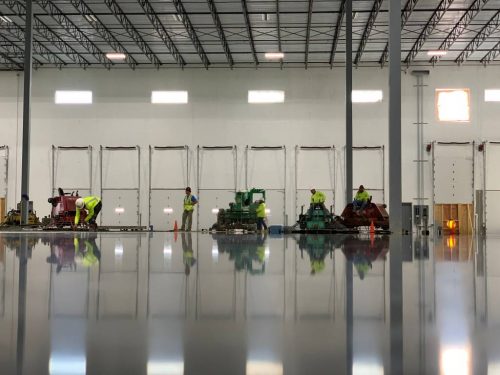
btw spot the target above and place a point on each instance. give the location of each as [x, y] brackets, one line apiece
[64, 210]
[374, 212]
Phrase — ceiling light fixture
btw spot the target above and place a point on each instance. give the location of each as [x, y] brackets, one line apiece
[265, 17]
[436, 53]
[274, 55]
[116, 56]
[5, 19]
[91, 18]
[177, 17]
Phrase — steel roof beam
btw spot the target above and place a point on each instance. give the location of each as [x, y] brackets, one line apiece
[491, 55]
[131, 30]
[74, 31]
[308, 31]
[437, 15]
[181, 11]
[220, 31]
[249, 31]
[161, 31]
[405, 15]
[460, 27]
[336, 35]
[278, 26]
[10, 63]
[12, 51]
[20, 10]
[103, 31]
[368, 29]
[38, 48]
[481, 36]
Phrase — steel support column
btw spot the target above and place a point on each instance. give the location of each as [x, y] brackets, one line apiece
[348, 101]
[25, 168]
[395, 189]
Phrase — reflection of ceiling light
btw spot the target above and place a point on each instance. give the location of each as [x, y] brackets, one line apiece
[167, 250]
[215, 252]
[165, 367]
[91, 18]
[274, 55]
[116, 56]
[119, 210]
[436, 53]
[267, 253]
[178, 18]
[118, 249]
[5, 19]
[455, 361]
[264, 367]
[215, 211]
[168, 210]
[61, 363]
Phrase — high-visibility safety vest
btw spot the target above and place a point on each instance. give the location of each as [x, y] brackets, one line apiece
[188, 202]
[261, 211]
[318, 197]
[90, 203]
[364, 196]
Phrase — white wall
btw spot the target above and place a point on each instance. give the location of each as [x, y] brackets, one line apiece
[218, 114]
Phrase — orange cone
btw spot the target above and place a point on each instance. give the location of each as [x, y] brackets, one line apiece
[372, 228]
[176, 228]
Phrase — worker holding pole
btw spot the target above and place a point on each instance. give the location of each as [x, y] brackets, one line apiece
[190, 201]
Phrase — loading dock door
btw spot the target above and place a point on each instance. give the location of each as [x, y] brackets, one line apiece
[369, 171]
[492, 182]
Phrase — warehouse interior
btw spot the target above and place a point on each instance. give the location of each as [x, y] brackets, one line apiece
[131, 101]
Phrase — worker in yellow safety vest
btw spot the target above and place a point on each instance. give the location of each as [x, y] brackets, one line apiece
[92, 205]
[318, 198]
[361, 200]
[261, 216]
[190, 201]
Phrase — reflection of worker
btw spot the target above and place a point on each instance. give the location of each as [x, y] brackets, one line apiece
[362, 264]
[318, 199]
[190, 201]
[360, 200]
[89, 253]
[187, 252]
[92, 205]
[261, 215]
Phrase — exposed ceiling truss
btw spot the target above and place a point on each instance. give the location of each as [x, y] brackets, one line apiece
[213, 34]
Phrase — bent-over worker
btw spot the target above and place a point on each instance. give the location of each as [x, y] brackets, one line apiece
[92, 205]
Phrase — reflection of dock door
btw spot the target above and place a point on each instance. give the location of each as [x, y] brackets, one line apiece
[120, 171]
[369, 171]
[265, 168]
[72, 169]
[168, 177]
[314, 168]
[216, 181]
[453, 182]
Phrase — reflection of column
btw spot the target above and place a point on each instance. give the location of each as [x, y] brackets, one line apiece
[396, 304]
[21, 310]
[349, 311]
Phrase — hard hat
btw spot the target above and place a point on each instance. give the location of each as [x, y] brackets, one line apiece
[80, 203]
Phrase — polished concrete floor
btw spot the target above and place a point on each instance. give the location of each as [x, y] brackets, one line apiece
[159, 304]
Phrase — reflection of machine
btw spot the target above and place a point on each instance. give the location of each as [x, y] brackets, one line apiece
[64, 210]
[65, 251]
[241, 213]
[363, 251]
[244, 250]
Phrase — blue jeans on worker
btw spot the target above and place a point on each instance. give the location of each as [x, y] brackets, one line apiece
[359, 205]
[261, 223]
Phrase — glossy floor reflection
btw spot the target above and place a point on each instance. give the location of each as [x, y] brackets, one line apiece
[248, 304]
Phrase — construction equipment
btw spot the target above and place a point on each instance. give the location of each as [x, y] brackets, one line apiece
[64, 210]
[373, 213]
[241, 213]
[13, 217]
[318, 218]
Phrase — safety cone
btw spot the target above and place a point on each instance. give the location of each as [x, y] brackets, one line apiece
[372, 228]
[176, 228]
